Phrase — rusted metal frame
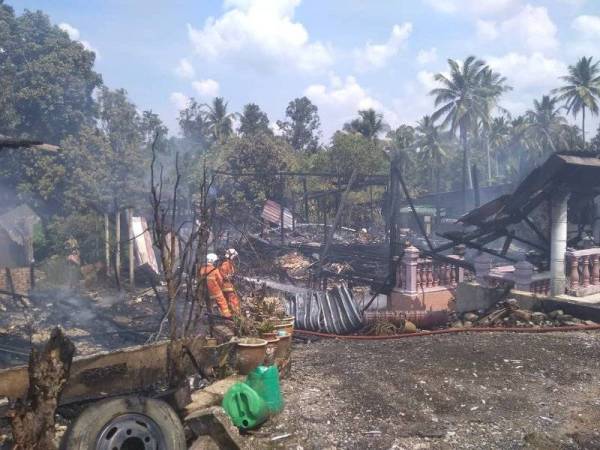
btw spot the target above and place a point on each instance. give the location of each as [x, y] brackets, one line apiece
[412, 207]
[474, 235]
[338, 217]
[531, 244]
[536, 230]
[490, 251]
[481, 244]
[507, 242]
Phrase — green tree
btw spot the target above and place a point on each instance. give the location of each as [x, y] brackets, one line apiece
[582, 90]
[261, 154]
[219, 121]
[350, 150]
[301, 129]
[463, 102]
[400, 146]
[493, 85]
[546, 127]
[152, 126]
[429, 143]
[498, 138]
[369, 123]
[47, 79]
[194, 126]
[253, 121]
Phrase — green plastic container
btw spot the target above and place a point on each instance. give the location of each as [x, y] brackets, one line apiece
[245, 407]
[250, 403]
[265, 381]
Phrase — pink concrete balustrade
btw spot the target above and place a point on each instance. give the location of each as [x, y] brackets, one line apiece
[417, 274]
[583, 272]
[522, 276]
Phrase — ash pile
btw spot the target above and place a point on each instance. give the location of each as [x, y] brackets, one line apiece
[508, 313]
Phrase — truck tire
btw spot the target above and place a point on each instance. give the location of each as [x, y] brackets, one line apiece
[126, 423]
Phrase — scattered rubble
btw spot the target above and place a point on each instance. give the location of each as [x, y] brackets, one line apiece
[295, 265]
[508, 313]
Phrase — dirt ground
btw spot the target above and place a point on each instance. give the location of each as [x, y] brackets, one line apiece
[467, 391]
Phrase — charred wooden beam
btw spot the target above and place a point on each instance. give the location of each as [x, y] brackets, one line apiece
[32, 419]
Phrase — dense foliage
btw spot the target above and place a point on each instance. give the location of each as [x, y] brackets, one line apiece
[51, 92]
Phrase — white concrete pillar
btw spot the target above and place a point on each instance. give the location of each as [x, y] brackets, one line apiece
[410, 262]
[558, 244]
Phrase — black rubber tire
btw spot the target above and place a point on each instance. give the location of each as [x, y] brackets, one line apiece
[83, 432]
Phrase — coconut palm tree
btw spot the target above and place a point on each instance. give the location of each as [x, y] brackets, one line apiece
[429, 143]
[498, 139]
[582, 90]
[401, 145]
[493, 85]
[369, 123]
[462, 101]
[546, 127]
[220, 123]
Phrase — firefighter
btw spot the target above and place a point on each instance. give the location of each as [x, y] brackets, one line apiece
[227, 269]
[214, 283]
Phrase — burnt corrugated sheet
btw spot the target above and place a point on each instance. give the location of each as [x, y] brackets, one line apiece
[272, 213]
[334, 311]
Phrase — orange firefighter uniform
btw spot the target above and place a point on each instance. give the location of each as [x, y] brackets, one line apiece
[227, 270]
[214, 284]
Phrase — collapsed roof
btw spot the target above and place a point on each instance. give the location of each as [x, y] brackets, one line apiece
[575, 173]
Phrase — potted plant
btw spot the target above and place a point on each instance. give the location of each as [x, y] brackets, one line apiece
[251, 352]
[285, 323]
[266, 329]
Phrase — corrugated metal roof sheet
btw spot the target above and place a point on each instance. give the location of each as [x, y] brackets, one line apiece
[144, 250]
[272, 213]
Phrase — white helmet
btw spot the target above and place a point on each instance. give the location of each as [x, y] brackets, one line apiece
[211, 258]
[231, 253]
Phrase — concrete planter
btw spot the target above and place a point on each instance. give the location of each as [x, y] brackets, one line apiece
[250, 354]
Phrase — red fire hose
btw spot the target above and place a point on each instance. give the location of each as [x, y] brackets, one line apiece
[452, 331]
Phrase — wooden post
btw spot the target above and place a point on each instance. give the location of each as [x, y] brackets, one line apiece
[281, 210]
[131, 249]
[33, 419]
[107, 244]
[281, 223]
[118, 247]
[338, 216]
[324, 207]
[305, 199]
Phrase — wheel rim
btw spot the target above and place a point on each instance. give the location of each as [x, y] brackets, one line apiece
[130, 432]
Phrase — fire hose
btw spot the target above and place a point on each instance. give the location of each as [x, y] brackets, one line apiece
[451, 331]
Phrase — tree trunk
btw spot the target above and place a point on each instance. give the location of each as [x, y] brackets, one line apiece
[32, 421]
[107, 244]
[466, 169]
[583, 125]
[437, 190]
[489, 160]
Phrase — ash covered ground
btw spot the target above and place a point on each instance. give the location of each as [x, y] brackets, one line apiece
[468, 391]
[95, 320]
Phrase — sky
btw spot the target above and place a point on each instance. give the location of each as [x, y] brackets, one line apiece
[345, 55]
